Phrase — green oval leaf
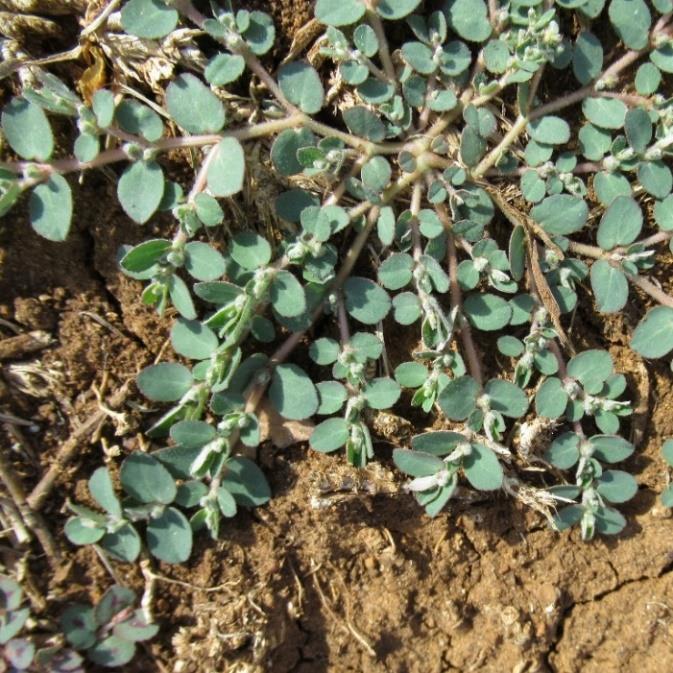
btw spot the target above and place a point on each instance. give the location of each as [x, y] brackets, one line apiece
[292, 392]
[27, 129]
[653, 338]
[140, 190]
[226, 171]
[487, 312]
[302, 86]
[482, 468]
[165, 382]
[365, 300]
[146, 480]
[50, 208]
[329, 435]
[169, 536]
[610, 286]
[459, 397]
[194, 106]
[149, 19]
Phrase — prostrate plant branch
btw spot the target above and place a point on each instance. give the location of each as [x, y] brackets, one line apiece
[469, 347]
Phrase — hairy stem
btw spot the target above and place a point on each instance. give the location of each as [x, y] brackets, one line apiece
[469, 348]
[384, 51]
[497, 152]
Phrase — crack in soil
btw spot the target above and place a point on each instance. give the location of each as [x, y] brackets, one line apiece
[597, 598]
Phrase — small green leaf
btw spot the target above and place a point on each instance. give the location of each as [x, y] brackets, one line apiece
[551, 399]
[285, 147]
[609, 285]
[653, 338]
[396, 9]
[395, 272]
[561, 214]
[260, 33]
[381, 393]
[50, 207]
[226, 502]
[656, 178]
[363, 122]
[292, 392]
[287, 295]
[617, 486]
[226, 171]
[102, 491]
[638, 129]
[224, 69]
[611, 448]
[165, 382]
[506, 398]
[135, 628]
[192, 434]
[365, 300]
[139, 119]
[103, 105]
[469, 18]
[550, 130]
[250, 251]
[667, 451]
[181, 298]
[146, 480]
[487, 312]
[86, 147]
[587, 57]
[564, 451]
[631, 20]
[329, 435]
[606, 113]
[459, 397]
[27, 130]
[667, 497]
[302, 86]
[246, 482]
[111, 652]
[149, 19]
[376, 174]
[80, 531]
[324, 351]
[648, 79]
[482, 468]
[169, 536]
[621, 224]
[411, 374]
[203, 262]
[419, 57]
[79, 626]
[140, 190]
[193, 339]
[591, 368]
[194, 106]
[339, 12]
[609, 521]
[124, 544]
[663, 213]
[417, 463]
[332, 397]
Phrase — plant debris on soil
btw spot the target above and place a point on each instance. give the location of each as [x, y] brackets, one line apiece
[341, 571]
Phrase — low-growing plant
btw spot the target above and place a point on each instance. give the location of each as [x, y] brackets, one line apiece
[107, 632]
[21, 653]
[476, 152]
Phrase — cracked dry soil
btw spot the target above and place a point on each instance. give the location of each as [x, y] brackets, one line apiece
[339, 572]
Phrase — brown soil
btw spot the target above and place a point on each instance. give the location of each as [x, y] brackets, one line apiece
[341, 571]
